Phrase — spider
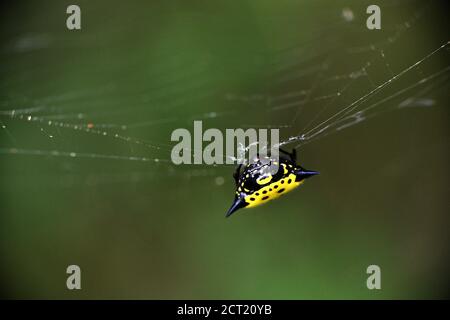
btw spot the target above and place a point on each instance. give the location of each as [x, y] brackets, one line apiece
[255, 185]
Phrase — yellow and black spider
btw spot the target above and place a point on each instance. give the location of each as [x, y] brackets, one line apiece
[255, 185]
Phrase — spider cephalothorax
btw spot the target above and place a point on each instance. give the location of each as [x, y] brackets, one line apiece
[256, 184]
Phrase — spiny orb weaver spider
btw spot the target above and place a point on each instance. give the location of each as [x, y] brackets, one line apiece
[256, 186]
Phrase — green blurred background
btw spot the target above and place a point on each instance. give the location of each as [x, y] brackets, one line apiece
[146, 230]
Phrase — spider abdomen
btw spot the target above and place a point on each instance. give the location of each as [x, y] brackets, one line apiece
[272, 191]
[257, 185]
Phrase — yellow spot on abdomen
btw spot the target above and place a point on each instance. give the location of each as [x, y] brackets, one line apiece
[264, 180]
[272, 191]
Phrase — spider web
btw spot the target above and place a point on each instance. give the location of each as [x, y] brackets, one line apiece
[311, 86]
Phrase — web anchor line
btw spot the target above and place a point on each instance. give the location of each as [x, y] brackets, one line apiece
[338, 116]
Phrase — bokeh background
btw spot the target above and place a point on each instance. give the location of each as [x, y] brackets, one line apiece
[150, 230]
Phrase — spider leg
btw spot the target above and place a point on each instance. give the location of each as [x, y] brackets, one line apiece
[285, 152]
[236, 174]
[292, 156]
